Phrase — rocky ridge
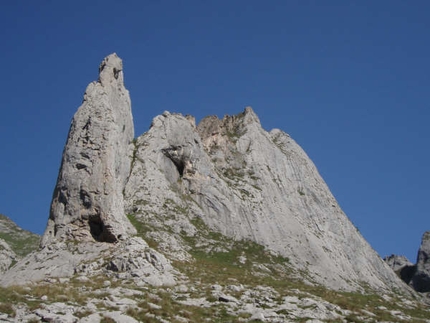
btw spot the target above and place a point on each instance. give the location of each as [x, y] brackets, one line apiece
[247, 184]
[415, 275]
[15, 243]
[185, 223]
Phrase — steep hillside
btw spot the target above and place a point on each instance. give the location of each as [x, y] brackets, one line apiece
[247, 184]
[22, 242]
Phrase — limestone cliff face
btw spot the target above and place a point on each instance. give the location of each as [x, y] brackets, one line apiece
[87, 202]
[421, 278]
[248, 184]
[230, 174]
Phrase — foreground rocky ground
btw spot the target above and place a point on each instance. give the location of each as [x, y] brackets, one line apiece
[109, 299]
[236, 281]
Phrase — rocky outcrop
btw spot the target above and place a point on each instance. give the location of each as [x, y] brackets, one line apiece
[417, 276]
[248, 184]
[402, 267]
[421, 279]
[130, 260]
[87, 203]
[7, 256]
[232, 223]
[15, 243]
[228, 177]
[397, 262]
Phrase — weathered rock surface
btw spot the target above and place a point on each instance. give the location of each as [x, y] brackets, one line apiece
[130, 260]
[402, 267]
[228, 175]
[397, 262]
[417, 276]
[225, 303]
[87, 203]
[205, 198]
[421, 279]
[247, 183]
[15, 243]
[7, 256]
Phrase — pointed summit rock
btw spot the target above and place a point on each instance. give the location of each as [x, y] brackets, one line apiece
[87, 203]
[421, 279]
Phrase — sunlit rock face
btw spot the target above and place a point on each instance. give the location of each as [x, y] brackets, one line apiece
[247, 183]
[88, 203]
[229, 174]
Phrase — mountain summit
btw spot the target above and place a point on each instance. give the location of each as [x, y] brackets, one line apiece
[247, 184]
[229, 174]
[187, 208]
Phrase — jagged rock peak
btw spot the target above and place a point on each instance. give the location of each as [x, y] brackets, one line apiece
[110, 70]
[248, 184]
[231, 126]
[250, 115]
[87, 202]
[421, 279]
[397, 262]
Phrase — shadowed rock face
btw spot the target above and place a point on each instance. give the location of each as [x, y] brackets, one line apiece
[87, 202]
[417, 276]
[421, 279]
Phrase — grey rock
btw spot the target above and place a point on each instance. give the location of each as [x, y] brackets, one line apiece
[7, 256]
[225, 175]
[92, 318]
[421, 278]
[402, 267]
[20, 241]
[57, 313]
[131, 259]
[54, 261]
[117, 316]
[141, 263]
[249, 184]
[87, 204]
[397, 262]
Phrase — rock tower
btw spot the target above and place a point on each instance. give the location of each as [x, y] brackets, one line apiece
[87, 202]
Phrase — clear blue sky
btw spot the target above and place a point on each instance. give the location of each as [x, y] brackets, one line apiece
[348, 80]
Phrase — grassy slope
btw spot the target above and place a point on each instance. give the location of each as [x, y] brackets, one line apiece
[21, 241]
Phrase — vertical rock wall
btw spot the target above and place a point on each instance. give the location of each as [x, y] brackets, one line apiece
[87, 202]
[421, 279]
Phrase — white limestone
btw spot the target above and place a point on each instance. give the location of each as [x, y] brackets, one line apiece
[88, 203]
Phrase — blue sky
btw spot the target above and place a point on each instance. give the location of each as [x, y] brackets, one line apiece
[348, 80]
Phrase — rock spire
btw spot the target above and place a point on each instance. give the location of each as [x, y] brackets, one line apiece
[87, 202]
[421, 278]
